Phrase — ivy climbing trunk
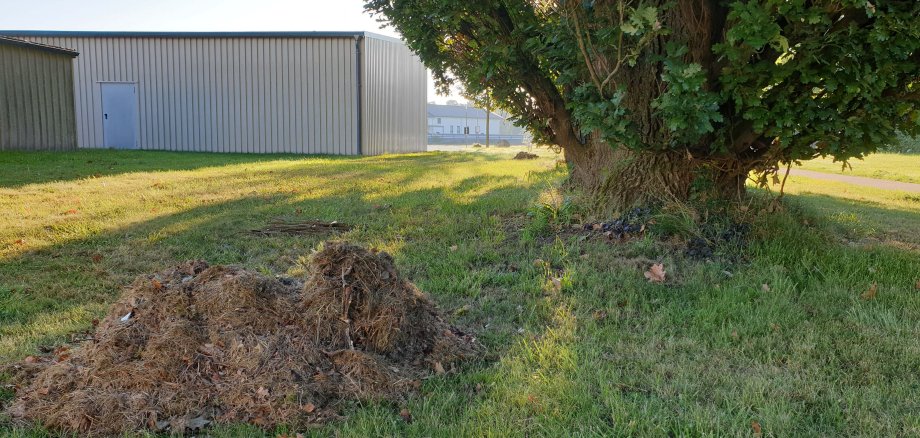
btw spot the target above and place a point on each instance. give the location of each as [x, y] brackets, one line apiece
[660, 166]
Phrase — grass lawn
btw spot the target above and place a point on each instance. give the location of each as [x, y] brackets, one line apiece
[710, 352]
[896, 167]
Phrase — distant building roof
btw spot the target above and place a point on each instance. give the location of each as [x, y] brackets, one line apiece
[9, 41]
[156, 34]
[459, 112]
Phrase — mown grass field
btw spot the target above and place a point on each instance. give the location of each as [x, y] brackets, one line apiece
[712, 352]
[896, 167]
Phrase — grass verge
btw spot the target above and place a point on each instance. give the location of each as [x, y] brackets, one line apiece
[781, 339]
[896, 167]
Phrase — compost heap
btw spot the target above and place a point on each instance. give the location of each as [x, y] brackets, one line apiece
[197, 345]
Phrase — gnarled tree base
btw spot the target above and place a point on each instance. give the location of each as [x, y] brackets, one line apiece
[620, 178]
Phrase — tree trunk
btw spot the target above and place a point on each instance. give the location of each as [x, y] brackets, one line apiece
[660, 173]
[620, 178]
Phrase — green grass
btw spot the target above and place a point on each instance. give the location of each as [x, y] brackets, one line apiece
[896, 167]
[707, 353]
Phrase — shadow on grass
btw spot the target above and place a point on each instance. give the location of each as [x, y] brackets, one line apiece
[24, 168]
[63, 278]
[608, 354]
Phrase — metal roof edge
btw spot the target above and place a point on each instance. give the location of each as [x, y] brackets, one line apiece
[9, 40]
[378, 36]
[163, 34]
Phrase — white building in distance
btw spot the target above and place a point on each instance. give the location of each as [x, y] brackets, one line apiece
[459, 124]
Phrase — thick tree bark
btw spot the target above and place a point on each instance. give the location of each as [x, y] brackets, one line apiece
[620, 178]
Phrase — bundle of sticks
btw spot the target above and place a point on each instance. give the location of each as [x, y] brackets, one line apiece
[280, 226]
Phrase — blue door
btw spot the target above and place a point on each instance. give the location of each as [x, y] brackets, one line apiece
[119, 115]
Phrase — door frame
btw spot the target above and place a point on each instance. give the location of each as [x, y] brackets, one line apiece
[137, 111]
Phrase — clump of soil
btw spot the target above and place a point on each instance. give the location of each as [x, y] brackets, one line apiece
[525, 156]
[197, 345]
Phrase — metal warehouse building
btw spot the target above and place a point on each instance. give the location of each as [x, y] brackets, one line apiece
[261, 92]
[36, 96]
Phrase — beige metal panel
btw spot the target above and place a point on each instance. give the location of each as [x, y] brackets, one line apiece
[394, 98]
[36, 100]
[222, 94]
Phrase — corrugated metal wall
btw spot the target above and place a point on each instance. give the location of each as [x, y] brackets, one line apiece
[223, 94]
[395, 107]
[36, 100]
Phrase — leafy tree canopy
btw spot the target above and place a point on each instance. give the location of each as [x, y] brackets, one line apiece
[733, 85]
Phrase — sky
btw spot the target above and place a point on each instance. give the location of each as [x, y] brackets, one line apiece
[197, 15]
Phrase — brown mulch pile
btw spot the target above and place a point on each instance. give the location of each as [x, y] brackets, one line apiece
[525, 156]
[198, 345]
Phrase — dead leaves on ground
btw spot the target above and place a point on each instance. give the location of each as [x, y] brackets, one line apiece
[406, 415]
[656, 273]
[758, 430]
[871, 293]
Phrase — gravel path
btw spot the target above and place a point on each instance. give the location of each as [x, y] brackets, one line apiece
[859, 180]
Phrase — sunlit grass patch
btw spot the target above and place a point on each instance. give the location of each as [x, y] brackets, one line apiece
[579, 342]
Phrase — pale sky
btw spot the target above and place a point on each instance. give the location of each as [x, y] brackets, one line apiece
[195, 15]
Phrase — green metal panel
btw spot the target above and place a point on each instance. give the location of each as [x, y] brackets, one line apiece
[36, 99]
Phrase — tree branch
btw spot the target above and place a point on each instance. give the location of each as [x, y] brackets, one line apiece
[584, 53]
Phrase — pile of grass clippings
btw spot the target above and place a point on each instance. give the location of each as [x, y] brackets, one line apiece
[197, 345]
[526, 156]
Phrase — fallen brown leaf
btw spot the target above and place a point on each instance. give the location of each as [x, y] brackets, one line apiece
[20, 242]
[71, 211]
[438, 368]
[758, 431]
[156, 284]
[406, 415]
[97, 258]
[453, 247]
[656, 273]
[557, 284]
[309, 407]
[871, 293]
[262, 392]
[917, 286]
